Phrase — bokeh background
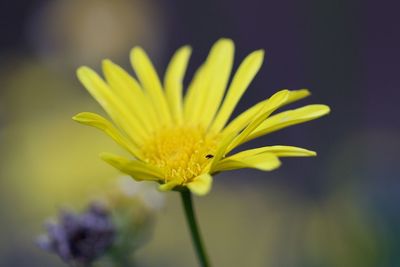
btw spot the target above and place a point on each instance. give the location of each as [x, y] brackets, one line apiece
[341, 208]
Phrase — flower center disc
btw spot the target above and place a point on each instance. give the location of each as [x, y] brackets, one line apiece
[181, 152]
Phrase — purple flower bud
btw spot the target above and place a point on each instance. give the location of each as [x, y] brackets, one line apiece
[80, 237]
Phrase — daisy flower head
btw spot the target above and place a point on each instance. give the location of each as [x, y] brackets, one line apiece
[181, 141]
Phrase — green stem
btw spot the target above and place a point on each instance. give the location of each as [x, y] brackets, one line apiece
[121, 257]
[123, 262]
[194, 229]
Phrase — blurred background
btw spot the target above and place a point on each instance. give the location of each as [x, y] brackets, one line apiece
[341, 208]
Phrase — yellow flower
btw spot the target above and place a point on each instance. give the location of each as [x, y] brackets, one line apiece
[181, 141]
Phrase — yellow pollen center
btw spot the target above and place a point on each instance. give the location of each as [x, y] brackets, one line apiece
[181, 152]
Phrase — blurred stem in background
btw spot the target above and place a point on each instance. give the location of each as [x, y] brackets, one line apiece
[121, 259]
[194, 229]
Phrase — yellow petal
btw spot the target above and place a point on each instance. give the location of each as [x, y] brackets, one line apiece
[222, 148]
[151, 83]
[288, 118]
[219, 66]
[273, 103]
[191, 103]
[206, 90]
[115, 108]
[174, 82]
[243, 119]
[108, 128]
[262, 161]
[296, 95]
[169, 185]
[243, 77]
[135, 168]
[201, 185]
[279, 151]
[129, 91]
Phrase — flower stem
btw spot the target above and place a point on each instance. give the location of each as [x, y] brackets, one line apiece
[194, 229]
